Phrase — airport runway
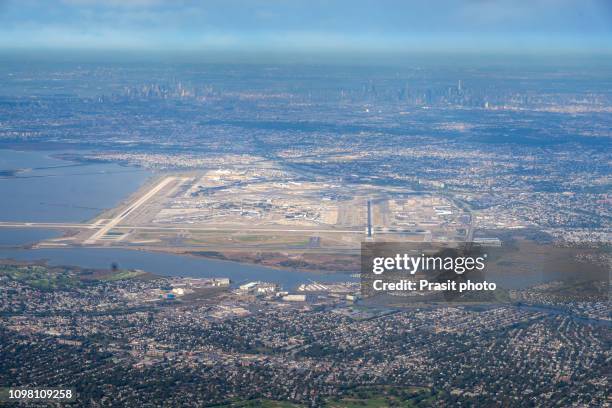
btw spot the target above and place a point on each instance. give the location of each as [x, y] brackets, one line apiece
[105, 228]
[113, 222]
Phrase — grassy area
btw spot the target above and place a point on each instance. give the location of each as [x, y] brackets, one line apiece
[368, 402]
[41, 277]
[252, 238]
[122, 274]
[385, 396]
[49, 278]
[263, 403]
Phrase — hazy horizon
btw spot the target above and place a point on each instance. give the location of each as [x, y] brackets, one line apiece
[308, 27]
[557, 60]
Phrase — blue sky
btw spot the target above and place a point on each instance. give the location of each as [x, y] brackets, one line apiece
[308, 25]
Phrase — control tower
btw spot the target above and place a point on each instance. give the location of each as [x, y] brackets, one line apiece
[369, 229]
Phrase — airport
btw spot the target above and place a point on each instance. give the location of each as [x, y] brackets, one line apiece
[259, 207]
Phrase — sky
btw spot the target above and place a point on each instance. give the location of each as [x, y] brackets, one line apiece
[308, 25]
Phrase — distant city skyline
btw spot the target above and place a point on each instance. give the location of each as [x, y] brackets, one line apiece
[308, 26]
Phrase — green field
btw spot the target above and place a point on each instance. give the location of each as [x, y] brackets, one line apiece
[122, 274]
[384, 396]
[49, 278]
[40, 277]
[262, 403]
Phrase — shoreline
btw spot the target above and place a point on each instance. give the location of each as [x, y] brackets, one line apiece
[179, 252]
